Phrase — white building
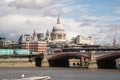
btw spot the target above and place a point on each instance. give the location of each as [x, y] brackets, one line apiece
[84, 40]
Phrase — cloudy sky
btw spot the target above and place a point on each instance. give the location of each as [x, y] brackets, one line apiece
[97, 18]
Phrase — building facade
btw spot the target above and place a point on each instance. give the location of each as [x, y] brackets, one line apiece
[81, 40]
[4, 43]
[40, 36]
[14, 45]
[33, 44]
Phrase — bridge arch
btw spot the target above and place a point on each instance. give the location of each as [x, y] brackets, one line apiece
[108, 60]
[62, 59]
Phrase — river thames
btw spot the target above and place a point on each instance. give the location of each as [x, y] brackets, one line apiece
[61, 73]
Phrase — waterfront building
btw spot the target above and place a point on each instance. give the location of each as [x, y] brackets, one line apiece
[34, 44]
[81, 40]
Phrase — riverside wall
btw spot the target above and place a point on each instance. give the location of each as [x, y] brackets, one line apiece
[16, 62]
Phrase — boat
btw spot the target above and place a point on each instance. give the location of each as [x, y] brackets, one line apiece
[36, 78]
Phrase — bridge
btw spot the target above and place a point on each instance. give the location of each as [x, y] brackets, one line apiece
[74, 57]
[87, 57]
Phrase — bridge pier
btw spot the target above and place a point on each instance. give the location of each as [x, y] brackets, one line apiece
[44, 62]
[82, 61]
[86, 61]
[92, 62]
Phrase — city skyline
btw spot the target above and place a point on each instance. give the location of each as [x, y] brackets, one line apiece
[85, 17]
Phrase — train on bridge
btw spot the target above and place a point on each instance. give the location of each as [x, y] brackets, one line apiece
[16, 52]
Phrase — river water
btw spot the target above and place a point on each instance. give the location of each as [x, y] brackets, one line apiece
[61, 73]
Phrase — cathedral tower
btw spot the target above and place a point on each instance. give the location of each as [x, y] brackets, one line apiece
[58, 33]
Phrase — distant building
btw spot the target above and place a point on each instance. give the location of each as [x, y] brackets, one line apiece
[25, 37]
[40, 36]
[81, 40]
[14, 45]
[33, 43]
[28, 37]
[4, 43]
[58, 34]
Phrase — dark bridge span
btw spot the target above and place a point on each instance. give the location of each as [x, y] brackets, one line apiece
[105, 59]
[62, 59]
[108, 60]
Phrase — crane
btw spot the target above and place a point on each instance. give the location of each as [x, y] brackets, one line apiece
[114, 39]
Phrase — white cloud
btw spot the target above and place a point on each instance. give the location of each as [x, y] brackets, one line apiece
[19, 24]
[22, 16]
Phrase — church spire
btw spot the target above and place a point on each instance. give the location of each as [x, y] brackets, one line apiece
[35, 35]
[58, 19]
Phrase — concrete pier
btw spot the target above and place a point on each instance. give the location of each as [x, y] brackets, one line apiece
[92, 62]
[44, 62]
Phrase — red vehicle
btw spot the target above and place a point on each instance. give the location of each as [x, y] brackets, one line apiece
[57, 51]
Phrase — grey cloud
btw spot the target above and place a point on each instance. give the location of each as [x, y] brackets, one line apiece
[107, 25]
[31, 7]
[3, 8]
[86, 20]
[31, 3]
[104, 31]
[51, 12]
[3, 2]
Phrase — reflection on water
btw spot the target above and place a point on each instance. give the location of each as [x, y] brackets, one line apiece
[61, 73]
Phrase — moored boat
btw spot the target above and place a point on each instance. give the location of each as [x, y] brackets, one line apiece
[36, 78]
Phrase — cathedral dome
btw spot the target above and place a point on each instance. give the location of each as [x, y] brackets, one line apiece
[58, 26]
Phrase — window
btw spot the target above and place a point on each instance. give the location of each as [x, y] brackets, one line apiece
[59, 36]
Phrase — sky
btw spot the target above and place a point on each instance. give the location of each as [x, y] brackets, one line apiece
[96, 18]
